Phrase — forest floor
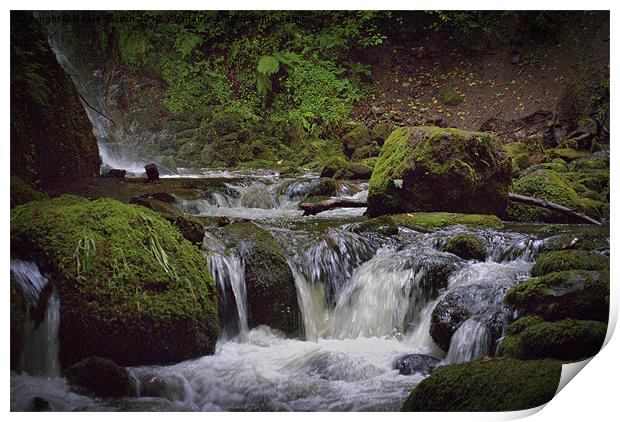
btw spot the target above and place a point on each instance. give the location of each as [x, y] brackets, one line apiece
[501, 82]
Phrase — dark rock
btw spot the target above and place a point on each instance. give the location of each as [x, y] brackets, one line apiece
[100, 377]
[39, 404]
[482, 302]
[416, 363]
[18, 318]
[152, 172]
[466, 246]
[115, 174]
[357, 138]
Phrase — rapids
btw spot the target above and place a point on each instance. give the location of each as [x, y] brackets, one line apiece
[365, 300]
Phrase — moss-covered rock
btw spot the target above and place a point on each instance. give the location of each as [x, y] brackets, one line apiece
[366, 151]
[467, 246]
[487, 385]
[332, 166]
[51, 136]
[354, 171]
[131, 288]
[434, 169]
[568, 339]
[565, 294]
[100, 377]
[568, 260]
[21, 192]
[270, 286]
[567, 154]
[381, 131]
[356, 138]
[550, 186]
[574, 241]
[426, 221]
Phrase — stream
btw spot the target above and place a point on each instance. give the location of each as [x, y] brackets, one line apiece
[365, 300]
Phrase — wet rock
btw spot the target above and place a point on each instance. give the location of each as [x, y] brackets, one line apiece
[152, 172]
[570, 241]
[39, 404]
[152, 304]
[435, 169]
[18, 318]
[482, 302]
[100, 377]
[416, 363]
[568, 339]
[489, 385]
[466, 246]
[565, 294]
[302, 188]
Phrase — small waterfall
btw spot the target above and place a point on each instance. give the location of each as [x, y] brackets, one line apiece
[228, 270]
[470, 341]
[40, 347]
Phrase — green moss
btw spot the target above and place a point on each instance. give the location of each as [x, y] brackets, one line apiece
[568, 339]
[381, 131]
[356, 138]
[21, 192]
[450, 97]
[435, 169]
[271, 293]
[547, 185]
[564, 294]
[566, 154]
[467, 246]
[487, 385]
[423, 221]
[132, 289]
[569, 260]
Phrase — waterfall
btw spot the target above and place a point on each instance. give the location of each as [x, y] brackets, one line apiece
[40, 347]
[470, 341]
[228, 270]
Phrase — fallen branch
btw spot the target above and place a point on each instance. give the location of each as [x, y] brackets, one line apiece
[551, 206]
[328, 204]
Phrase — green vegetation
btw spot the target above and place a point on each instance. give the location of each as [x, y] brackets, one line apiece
[569, 260]
[568, 339]
[423, 221]
[123, 273]
[486, 385]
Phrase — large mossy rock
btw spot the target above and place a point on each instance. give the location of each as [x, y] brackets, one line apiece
[467, 246]
[487, 385]
[100, 377]
[51, 136]
[132, 289]
[270, 286]
[554, 187]
[568, 339]
[565, 294]
[568, 260]
[434, 169]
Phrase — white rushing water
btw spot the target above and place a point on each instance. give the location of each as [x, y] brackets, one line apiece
[364, 301]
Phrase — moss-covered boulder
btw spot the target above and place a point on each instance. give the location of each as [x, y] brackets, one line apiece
[358, 137]
[566, 154]
[487, 385]
[467, 246]
[550, 186]
[568, 339]
[332, 166]
[434, 169]
[100, 377]
[51, 136]
[360, 170]
[565, 294]
[574, 241]
[132, 289]
[270, 287]
[568, 260]
[381, 131]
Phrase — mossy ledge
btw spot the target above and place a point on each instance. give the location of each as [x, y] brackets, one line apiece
[569, 260]
[486, 385]
[132, 289]
[426, 221]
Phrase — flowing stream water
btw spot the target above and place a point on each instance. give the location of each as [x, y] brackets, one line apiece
[365, 300]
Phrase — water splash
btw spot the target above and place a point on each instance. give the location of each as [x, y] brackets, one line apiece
[470, 341]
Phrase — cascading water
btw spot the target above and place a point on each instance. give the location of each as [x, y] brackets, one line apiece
[365, 300]
[40, 346]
